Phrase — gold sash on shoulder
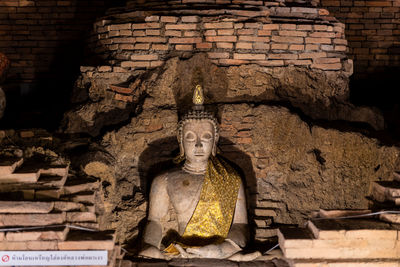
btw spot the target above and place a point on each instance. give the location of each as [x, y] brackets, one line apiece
[212, 218]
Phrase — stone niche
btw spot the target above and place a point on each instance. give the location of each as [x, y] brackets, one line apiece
[270, 70]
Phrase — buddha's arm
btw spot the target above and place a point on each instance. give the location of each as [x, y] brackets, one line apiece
[158, 208]
[237, 236]
[239, 232]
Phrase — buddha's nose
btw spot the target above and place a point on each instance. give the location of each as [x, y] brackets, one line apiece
[198, 143]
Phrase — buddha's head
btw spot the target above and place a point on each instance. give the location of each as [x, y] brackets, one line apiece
[198, 134]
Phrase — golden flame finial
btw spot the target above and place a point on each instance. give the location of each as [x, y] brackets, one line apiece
[198, 96]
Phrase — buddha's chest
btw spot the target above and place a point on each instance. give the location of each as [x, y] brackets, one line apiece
[184, 191]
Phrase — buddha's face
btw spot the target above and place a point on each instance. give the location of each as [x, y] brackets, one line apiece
[198, 140]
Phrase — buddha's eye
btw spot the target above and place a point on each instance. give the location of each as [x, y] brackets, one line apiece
[189, 136]
[206, 137]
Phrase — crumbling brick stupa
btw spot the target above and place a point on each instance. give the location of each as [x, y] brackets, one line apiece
[260, 63]
[275, 74]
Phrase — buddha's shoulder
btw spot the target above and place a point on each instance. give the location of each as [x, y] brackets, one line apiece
[169, 175]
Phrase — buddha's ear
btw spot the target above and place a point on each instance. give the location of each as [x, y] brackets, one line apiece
[214, 149]
[180, 142]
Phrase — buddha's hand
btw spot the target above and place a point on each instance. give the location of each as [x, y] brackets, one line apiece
[220, 251]
[151, 252]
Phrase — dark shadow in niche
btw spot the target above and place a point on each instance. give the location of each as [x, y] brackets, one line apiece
[61, 37]
[158, 158]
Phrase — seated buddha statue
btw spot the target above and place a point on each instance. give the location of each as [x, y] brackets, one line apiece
[206, 193]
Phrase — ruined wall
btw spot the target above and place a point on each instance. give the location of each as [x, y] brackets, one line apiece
[45, 39]
[290, 167]
[373, 33]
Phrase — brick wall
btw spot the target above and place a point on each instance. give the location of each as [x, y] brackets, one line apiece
[44, 39]
[372, 31]
[317, 43]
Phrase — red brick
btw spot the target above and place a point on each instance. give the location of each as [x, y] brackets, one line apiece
[270, 27]
[152, 32]
[290, 40]
[134, 64]
[144, 46]
[221, 38]
[204, 45]
[229, 62]
[245, 31]
[184, 40]
[254, 39]
[311, 40]
[288, 27]
[378, 3]
[151, 39]
[126, 46]
[304, 27]
[325, 60]
[296, 47]
[249, 56]
[117, 27]
[191, 19]
[159, 47]
[336, 66]
[184, 47]
[264, 33]
[218, 25]
[270, 63]
[210, 33]
[303, 62]
[323, 12]
[152, 18]
[244, 45]
[283, 56]
[145, 57]
[191, 33]
[225, 45]
[181, 26]
[173, 33]
[139, 26]
[125, 33]
[312, 55]
[340, 48]
[261, 46]
[238, 25]
[169, 19]
[293, 33]
[279, 46]
[322, 34]
[320, 27]
[253, 25]
[138, 33]
[225, 32]
[214, 55]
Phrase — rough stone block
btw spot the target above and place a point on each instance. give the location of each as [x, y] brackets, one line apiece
[9, 164]
[248, 56]
[25, 207]
[218, 25]
[50, 234]
[31, 219]
[181, 26]
[81, 217]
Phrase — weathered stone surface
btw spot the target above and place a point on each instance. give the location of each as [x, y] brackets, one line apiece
[319, 94]
[31, 219]
[67, 206]
[81, 217]
[291, 162]
[352, 229]
[25, 207]
[8, 164]
[50, 234]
